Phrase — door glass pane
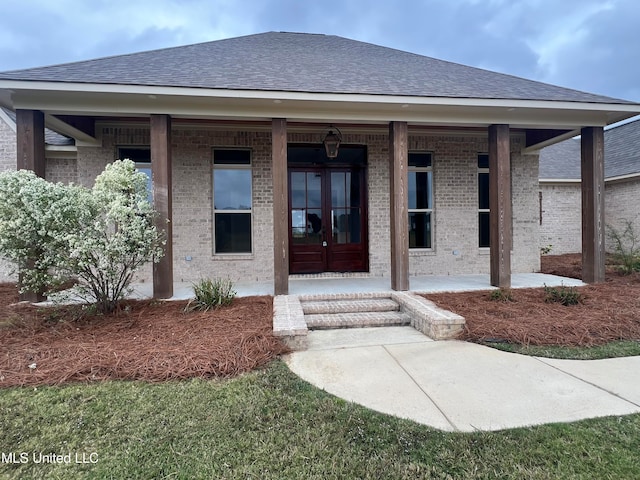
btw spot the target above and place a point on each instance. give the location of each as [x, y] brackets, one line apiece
[314, 192]
[345, 190]
[306, 226]
[298, 225]
[345, 225]
[314, 226]
[338, 189]
[298, 190]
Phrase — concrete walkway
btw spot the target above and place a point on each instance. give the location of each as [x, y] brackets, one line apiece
[459, 386]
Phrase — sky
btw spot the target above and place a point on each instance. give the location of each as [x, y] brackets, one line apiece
[588, 45]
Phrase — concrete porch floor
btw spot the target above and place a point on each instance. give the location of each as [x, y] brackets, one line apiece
[331, 285]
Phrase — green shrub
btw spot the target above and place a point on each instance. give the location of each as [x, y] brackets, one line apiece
[502, 295]
[626, 247]
[210, 294]
[546, 250]
[562, 295]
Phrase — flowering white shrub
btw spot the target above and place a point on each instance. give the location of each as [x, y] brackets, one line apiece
[98, 237]
[35, 217]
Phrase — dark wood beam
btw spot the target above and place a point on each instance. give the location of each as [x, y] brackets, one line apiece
[500, 205]
[30, 156]
[30, 138]
[398, 174]
[162, 200]
[593, 226]
[280, 207]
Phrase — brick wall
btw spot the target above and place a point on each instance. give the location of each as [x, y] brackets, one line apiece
[8, 148]
[455, 202]
[8, 159]
[562, 206]
[561, 225]
[622, 202]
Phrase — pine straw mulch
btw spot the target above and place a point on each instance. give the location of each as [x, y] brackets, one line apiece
[610, 311]
[145, 340]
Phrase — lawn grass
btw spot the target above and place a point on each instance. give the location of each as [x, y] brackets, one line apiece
[622, 348]
[270, 424]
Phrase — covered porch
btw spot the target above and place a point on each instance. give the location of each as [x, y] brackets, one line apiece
[498, 137]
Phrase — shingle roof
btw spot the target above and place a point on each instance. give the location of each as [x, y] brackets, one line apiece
[621, 155]
[622, 150]
[50, 137]
[311, 63]
[561, 161]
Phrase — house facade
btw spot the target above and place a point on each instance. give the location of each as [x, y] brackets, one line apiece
[560, 192]
[436, 171]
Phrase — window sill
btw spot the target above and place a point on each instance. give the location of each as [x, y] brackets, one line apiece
[232, 256]
[420, 252]
[484, 250]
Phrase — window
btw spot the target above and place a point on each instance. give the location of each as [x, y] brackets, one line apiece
[232, 201]
[142, 158]
[420, 200]
[483, 200]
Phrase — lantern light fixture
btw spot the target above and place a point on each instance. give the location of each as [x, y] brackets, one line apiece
[332, 141]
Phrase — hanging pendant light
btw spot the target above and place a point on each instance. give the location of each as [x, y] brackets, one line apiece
[332, 141]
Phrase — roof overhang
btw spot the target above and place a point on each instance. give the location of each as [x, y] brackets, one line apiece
[107, 100]
[577, 181]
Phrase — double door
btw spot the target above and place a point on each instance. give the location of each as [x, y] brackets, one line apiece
[328, 220]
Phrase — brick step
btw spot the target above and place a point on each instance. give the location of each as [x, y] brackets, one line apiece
[356, 319]
[349, 306]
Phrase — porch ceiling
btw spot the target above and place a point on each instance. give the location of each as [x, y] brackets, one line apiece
[196, 103]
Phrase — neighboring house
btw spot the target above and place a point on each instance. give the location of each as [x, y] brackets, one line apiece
[437, 170]
[560, 189]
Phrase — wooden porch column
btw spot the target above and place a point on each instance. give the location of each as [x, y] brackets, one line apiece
[30, 150]
[500, 231]
[593, 226]
[162, 201]
[280, 207]
[398, 179]
[30, 137]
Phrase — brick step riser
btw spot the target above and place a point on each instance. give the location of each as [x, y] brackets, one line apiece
[317, 308]
[356, 320]
[368, 325]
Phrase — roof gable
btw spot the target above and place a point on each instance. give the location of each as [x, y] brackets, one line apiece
[309, 63]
